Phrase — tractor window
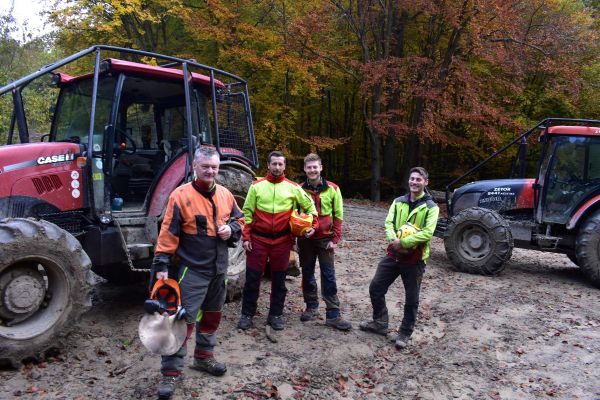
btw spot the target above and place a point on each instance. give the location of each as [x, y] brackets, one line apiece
[572, 175]
[72, 116]
[141, 126]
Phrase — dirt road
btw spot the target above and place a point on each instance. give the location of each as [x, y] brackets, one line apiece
[533, 332]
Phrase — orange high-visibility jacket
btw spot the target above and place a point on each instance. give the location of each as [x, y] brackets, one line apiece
[191, 222]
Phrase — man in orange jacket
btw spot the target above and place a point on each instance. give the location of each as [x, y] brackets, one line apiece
[201, 221]
[267, 209]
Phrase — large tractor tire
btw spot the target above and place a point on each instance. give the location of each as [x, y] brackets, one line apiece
[45, 286]
[587, 248]
[238, 181]
[478, 241]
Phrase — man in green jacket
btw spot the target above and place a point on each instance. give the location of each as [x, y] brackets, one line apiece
[405, 257]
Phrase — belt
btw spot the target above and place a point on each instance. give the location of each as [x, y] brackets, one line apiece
[274, 235]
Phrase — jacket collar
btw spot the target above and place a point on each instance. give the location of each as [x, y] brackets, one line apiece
[319, 188]
[203, 189]
[275, 179]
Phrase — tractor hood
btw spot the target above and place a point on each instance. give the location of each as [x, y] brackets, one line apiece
[20, 161]
[499, 194]
[19, 156]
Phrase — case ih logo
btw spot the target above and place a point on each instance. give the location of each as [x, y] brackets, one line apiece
[56, 159]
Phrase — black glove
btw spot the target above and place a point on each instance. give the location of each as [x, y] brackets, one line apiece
[160, 263]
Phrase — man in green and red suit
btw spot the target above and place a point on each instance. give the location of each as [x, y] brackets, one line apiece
[329, 203]
[267, 236]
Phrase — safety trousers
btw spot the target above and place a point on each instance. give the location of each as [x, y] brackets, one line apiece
[256, 260]
[202, 295]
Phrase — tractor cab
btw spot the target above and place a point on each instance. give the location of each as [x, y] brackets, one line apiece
[569, 172]
[141, 128]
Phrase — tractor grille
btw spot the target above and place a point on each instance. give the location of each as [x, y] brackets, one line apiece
[46, 183]
[70, 221]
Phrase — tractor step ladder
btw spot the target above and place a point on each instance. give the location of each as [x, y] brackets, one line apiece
[546, 241]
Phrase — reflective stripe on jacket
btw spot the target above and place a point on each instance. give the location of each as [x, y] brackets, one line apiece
[424, 215]
[190, 226]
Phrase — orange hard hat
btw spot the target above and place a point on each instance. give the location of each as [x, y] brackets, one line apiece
[167, 294]
[300, 223]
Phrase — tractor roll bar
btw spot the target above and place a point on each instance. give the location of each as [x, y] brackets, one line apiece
[545, 124]
[19, 84]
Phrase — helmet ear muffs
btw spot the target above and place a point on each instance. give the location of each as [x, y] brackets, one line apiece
[300, 223]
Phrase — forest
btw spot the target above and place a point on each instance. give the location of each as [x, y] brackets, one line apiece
[374, 86]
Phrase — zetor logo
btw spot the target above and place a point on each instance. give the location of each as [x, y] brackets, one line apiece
[56, 158]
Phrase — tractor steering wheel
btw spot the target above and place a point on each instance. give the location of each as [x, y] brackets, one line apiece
[128, 138]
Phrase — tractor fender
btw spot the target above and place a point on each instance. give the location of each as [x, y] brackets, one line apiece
[587, 207]
[170, 179]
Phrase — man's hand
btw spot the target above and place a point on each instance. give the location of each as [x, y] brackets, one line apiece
[224, 232]
[163, 275]
[309, 233]
[330, 246]
[397, 245]
[247, 245]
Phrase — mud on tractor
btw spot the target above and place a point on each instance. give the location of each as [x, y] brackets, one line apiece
[557, 211]
[90, 195]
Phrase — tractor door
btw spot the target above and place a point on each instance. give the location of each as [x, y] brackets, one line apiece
[71, 123]
[572, 175]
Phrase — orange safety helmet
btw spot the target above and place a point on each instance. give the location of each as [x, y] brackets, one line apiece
[300, 223]
[166, 296]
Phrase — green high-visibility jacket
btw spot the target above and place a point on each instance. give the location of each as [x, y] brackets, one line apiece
[424, 216]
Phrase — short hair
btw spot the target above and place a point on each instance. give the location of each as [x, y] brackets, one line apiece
[275, 153]
[421, 171]
[312, 157]
[205, 152]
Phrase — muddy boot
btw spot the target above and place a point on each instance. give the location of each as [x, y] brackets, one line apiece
[309, 314]
[245, 322]
[338, 323]
[167, 386]
[209, 365]
[276, 322]
[373, 327]
[401, 341]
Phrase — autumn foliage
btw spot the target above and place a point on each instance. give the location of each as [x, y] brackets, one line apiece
[374, 86]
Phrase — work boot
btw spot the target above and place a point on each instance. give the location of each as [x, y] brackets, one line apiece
[373, 327]
[245, 322]
[402, 341]
[209, 365]
[309, 314]
[276, 322]
[167, 386]
[338, 323]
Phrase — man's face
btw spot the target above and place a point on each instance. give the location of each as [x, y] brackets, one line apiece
[207, 169]
[276, 166]
[313, 170]
[417, 183]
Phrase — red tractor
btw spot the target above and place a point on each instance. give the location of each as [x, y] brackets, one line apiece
[90, 195]
[558, 211]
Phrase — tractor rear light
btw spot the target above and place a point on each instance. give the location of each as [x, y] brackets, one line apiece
[81, 161]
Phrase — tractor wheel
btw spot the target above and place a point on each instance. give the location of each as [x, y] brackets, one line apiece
[238, 181]
[478, 241]
[45, 286]
[587, 248]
